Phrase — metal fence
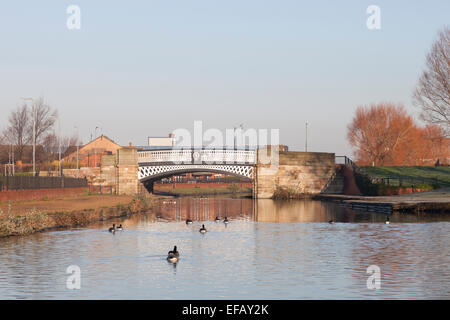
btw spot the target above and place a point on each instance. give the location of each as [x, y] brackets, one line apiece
[30, 182]
[398, 181]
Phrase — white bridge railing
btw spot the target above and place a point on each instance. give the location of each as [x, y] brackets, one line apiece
[197, 156]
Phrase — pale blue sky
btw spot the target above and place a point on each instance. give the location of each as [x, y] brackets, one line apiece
[145, 68]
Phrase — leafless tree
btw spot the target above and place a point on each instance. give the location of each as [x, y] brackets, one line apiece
[45, 120]
[16, 131]
[51, 144]
[67, 142]
[432, 94]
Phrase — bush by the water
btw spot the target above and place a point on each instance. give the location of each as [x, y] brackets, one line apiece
[282, 193]
[140, 203]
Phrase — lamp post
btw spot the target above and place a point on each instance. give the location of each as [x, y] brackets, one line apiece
[59, 147]
[95, 146]
[242, 135]
[34, 133]
[78, 145]
[306, 136]
[241, 126]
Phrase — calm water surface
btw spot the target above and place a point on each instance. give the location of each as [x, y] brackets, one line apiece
[270, 250]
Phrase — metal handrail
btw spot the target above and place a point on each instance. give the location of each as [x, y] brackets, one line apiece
[376, 179]
[197, 156]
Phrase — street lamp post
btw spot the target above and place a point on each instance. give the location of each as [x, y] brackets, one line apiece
[34, 134]
[59, 147]
[78, 145]
[241, 126]
[95, 147]
[306, 136]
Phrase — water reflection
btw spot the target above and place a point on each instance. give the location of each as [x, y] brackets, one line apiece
[278, 249]
[204, 209]
[265, 210]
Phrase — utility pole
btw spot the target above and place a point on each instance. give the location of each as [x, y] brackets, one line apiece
[306, 136]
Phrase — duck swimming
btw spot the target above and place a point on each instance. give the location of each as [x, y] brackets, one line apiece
[387, 220]
[217, 219]
[172, 255]
[119, 228]
[202, 229]
[188, 221]
[225, 220]
[113, 228]
[331, 221]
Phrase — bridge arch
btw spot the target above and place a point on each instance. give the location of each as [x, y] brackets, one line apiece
[153, 173]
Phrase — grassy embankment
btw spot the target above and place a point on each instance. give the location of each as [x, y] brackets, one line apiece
[22, 218]
[417, 178]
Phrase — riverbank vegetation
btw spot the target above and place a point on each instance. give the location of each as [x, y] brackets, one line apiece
[283, 193]
[20, 219]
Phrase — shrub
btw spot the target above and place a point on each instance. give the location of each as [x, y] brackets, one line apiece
[139, 203]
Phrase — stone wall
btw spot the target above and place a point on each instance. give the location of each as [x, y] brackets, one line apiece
[300, 172]
[127, 166]
[117, 173]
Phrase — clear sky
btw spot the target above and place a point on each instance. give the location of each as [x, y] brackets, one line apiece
[145, 68]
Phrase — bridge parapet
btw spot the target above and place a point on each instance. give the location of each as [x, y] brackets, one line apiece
[197, 156]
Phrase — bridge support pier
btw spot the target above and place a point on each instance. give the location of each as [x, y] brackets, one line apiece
[297, 173]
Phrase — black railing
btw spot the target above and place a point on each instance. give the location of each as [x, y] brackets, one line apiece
[349, 162]
[30, 182]
[398, 181]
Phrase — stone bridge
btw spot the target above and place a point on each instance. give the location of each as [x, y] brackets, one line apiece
[269, 168]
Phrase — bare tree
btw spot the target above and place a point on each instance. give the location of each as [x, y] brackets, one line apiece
[45, 120]
[51, 144]
[16, 132]
[432, 94]
[67, 142]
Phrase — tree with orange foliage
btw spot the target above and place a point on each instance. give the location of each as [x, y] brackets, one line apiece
[379, 131]
[384, 134]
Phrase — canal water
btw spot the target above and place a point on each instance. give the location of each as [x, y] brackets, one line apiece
[269, 250]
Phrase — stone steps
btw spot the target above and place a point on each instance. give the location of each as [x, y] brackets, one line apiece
[336, 186]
